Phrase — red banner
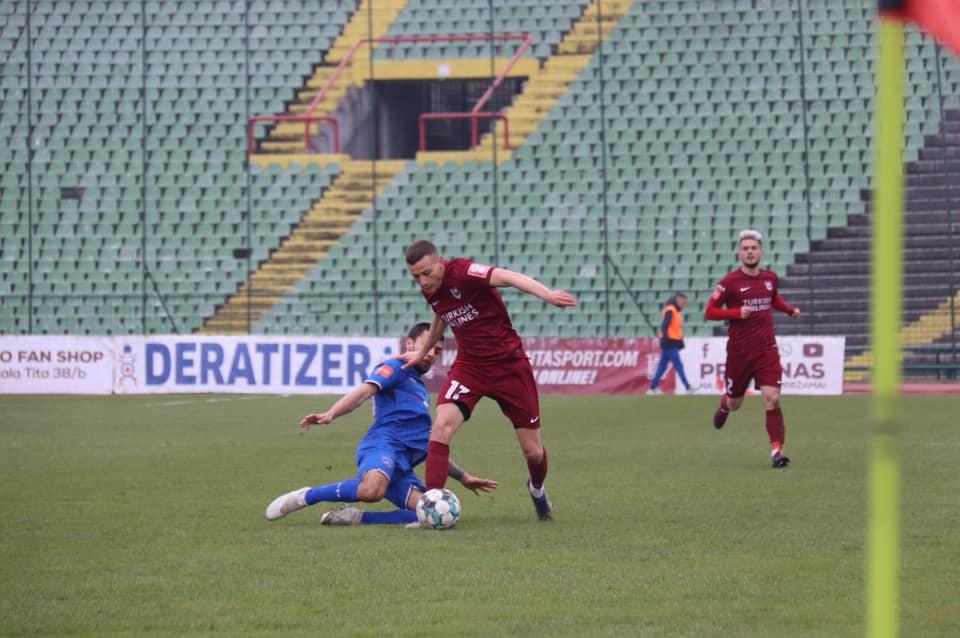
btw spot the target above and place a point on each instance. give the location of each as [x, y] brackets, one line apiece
[580, 366]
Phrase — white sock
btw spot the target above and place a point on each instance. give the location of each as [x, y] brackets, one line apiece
[537, 492]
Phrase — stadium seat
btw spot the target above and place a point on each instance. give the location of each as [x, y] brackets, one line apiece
[86, 87]
[704, 135]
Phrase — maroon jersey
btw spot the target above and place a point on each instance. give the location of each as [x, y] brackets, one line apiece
[739, 289]
[475, 311]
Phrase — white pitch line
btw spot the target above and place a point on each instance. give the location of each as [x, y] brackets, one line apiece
[192, 401]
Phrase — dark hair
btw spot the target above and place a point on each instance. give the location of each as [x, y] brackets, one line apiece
[420, 249]
[679, 295]
[417, 330]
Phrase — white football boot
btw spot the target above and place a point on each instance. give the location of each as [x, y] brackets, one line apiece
[289, 502]
[343, 516]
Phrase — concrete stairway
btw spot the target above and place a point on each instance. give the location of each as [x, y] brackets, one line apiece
[323, 225]
[544, 88]
[287, 137]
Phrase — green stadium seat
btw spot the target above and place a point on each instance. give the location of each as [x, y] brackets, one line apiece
[703, 138]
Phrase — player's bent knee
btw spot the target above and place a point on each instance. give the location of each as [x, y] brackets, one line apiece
[446, 424]
[372, 488]
[530, 445]
[771, 399]
[442, 432]
[534, 455]
[370, 493]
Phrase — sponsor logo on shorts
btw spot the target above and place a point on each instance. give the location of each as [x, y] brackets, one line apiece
[535, 419]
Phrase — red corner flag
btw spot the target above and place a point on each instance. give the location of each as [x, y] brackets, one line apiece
[940, 18]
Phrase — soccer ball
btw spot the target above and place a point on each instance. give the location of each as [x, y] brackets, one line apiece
[438, 509]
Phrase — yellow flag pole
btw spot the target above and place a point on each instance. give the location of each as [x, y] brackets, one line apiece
[883, 532]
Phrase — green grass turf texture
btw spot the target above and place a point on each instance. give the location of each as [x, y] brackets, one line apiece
[134, 515]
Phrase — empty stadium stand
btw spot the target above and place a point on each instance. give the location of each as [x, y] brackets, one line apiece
[648, 136]
[702, 140]
[832, 279]
[546, 20]
[114, 176]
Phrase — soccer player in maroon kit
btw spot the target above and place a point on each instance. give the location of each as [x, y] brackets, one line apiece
[490, 358]
[748, 294]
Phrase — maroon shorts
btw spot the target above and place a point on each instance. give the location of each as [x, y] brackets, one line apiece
[762, 366]
[510, 383]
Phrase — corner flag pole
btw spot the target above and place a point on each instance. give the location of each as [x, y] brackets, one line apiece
[883, 521]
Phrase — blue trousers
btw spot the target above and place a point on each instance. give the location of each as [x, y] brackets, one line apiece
[669, 356]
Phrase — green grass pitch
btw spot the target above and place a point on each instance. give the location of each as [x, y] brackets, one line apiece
[136, 515]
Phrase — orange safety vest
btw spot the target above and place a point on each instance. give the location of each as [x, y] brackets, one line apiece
[675, 329]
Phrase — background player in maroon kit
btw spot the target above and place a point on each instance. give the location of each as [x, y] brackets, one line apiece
[490, 358]
[748, 294]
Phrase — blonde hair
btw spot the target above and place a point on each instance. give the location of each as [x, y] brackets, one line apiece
[750, 234]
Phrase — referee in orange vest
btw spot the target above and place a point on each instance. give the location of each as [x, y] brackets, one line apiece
[671, 341]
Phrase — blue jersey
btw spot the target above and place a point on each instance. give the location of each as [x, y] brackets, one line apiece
[401, 409]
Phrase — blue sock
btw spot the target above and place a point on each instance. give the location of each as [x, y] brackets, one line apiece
[396, 517]
[342, 492]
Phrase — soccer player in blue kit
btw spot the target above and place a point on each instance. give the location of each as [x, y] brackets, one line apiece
[393, 446]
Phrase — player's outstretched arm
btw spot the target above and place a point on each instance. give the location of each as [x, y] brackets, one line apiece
[437, 327]
[502, 277]
[345, 404]
[469, 481]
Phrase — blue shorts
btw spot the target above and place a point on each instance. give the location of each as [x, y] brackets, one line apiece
[394, 461]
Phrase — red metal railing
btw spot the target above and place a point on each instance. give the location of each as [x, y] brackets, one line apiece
[477, 112]
[475, 115]
[306, 119]
[472, 116]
